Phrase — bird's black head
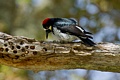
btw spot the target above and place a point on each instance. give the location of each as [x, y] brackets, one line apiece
[47, 25]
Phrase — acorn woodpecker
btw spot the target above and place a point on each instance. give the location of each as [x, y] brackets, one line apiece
[67, 30]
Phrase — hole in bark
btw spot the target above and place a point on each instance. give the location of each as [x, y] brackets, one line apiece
[1, 49]
[10, 43]
[23, 49]
[18, 47]
[35, 52]
[21, 43]
[45, 49]
[12, 47]
[6, 49]
[5, 45]
[16, 57]
[26, 47]
[15, 51]
[32, 47]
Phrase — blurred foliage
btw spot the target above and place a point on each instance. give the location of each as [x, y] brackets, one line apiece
[24, 17]
[8, 73]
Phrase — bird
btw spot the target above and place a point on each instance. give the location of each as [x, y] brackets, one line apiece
[67, 29]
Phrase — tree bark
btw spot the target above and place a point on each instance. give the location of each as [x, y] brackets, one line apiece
[26, 53]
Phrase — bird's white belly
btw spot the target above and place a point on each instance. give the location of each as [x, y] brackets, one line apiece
[63, 36]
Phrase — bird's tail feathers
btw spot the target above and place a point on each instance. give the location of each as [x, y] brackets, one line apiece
[87, 41]
[87, 32]
[89, 36]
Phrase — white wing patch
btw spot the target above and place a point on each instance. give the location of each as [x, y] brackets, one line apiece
[79, 28]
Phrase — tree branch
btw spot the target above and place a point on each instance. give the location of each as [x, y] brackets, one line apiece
[25, 53]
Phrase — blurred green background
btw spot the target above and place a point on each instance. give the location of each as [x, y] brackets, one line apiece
[24, 17]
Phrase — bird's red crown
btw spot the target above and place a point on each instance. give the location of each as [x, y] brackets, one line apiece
[45, 20]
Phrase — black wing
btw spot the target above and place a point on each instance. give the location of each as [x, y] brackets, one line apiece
[76, 31]
[79, 32]
[64, 22]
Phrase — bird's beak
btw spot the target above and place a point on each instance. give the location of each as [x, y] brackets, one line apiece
[47, 32]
